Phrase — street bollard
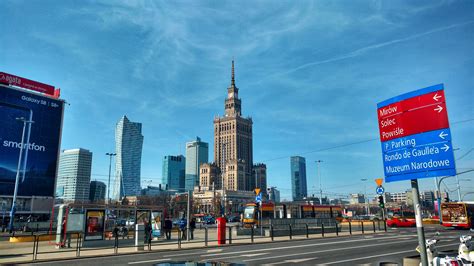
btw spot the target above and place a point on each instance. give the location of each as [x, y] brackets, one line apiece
[362, 225]
[385, 225]
[116, 244]
[251, 234]
[205, 236]
[291, 233]
[230, 235]
[350, 228]
[373, 224]
[378, 224]
[35, 247]
[322, 229]
[307, 231]
[179, 238]
[337, 230]
[271, 231]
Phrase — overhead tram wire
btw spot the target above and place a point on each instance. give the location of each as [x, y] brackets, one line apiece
[322, 149]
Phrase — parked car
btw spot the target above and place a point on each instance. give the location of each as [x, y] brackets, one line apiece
[208, 220]
[233, 219]
[401, 222]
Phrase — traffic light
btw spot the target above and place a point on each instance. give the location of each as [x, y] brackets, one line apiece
[381, 203]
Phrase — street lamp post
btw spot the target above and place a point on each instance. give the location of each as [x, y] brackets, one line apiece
[366, 199]
[23, 147]
[320, 187]
[110, 168]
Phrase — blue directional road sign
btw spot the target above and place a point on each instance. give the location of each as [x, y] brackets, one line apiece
[258, 198]
[415, 135]
[380, 190]
[417, 156]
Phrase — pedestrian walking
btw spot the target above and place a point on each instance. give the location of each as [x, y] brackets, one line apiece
[168, 226]
[192, 226]
[182, 227]
[148, 230]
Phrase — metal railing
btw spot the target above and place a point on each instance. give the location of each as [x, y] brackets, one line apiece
[77, 244]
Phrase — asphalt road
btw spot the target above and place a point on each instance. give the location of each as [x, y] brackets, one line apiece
[372, 249]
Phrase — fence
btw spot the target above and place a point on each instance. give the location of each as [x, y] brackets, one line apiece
[41, 245]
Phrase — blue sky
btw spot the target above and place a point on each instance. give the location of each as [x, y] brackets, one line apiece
[310, 75]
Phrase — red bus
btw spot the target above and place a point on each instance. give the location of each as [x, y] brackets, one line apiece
[457, 214]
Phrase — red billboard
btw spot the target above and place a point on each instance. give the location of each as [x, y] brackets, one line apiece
[10, 79]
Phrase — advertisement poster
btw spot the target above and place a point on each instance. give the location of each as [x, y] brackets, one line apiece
[94, 225]
[143, 216]
[156, 223]
[43, 147]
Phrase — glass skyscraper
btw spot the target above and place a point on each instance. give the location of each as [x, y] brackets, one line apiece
[128, 147]
[298, 177]
[197, 153]
[173, 172]
[74, 175]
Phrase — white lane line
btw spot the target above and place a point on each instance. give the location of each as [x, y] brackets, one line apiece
[195, 253]
[148, 261]
[297, 246]
[254, 255]
[290, 261]
[379, 255]
[322, 251]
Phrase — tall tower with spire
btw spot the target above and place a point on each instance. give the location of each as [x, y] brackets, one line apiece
[233, 150]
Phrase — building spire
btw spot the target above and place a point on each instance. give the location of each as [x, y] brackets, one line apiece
[233, 75]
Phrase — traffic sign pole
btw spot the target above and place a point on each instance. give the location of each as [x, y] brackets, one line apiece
[419, 223]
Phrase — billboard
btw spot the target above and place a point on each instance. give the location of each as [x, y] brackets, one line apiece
[43, 147]
[95, 225]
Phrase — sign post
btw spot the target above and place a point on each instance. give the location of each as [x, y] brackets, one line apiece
[416, 142]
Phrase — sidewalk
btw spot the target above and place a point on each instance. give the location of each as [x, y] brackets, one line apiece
[23, 252]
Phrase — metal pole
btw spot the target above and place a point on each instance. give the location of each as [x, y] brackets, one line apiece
[188, 215]
[419, 223]
[438, 199]
[320, 187]
[261, 220]
[459, 189]
[17, 178]
[110, 169]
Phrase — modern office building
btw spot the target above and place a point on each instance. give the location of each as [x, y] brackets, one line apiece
[298, 178]
[74, 175]
[173, 172]
[128, 147]
[233, 137]
[97, 192]
[357, 198]
[197, 153]
[273, 194]
[259, 177]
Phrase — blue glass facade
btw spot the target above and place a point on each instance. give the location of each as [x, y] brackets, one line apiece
[197, 153]
[299, 187]
[173, 172]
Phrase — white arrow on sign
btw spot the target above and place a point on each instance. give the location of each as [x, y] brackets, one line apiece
[436, 97]
[439, 109]
[445, 148]
[442, 135]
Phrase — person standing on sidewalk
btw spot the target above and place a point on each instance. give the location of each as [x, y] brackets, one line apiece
[182, 227]
[168, 227]
[192, 226]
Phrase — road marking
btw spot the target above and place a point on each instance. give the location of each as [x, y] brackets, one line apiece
[322, 251]
[289, 247]
[185, 254]
[254, 255]
[291, 261]
[215, 250]
[379, 255]
[148, 261]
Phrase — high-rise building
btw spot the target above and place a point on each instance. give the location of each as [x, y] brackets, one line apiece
[197, 153]
[273, 194]
[259, 177]
[233, 137]
[128, 147]
[210, 176]
[74, 175]
[97, 191]
[298, 178]
[173, 172]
